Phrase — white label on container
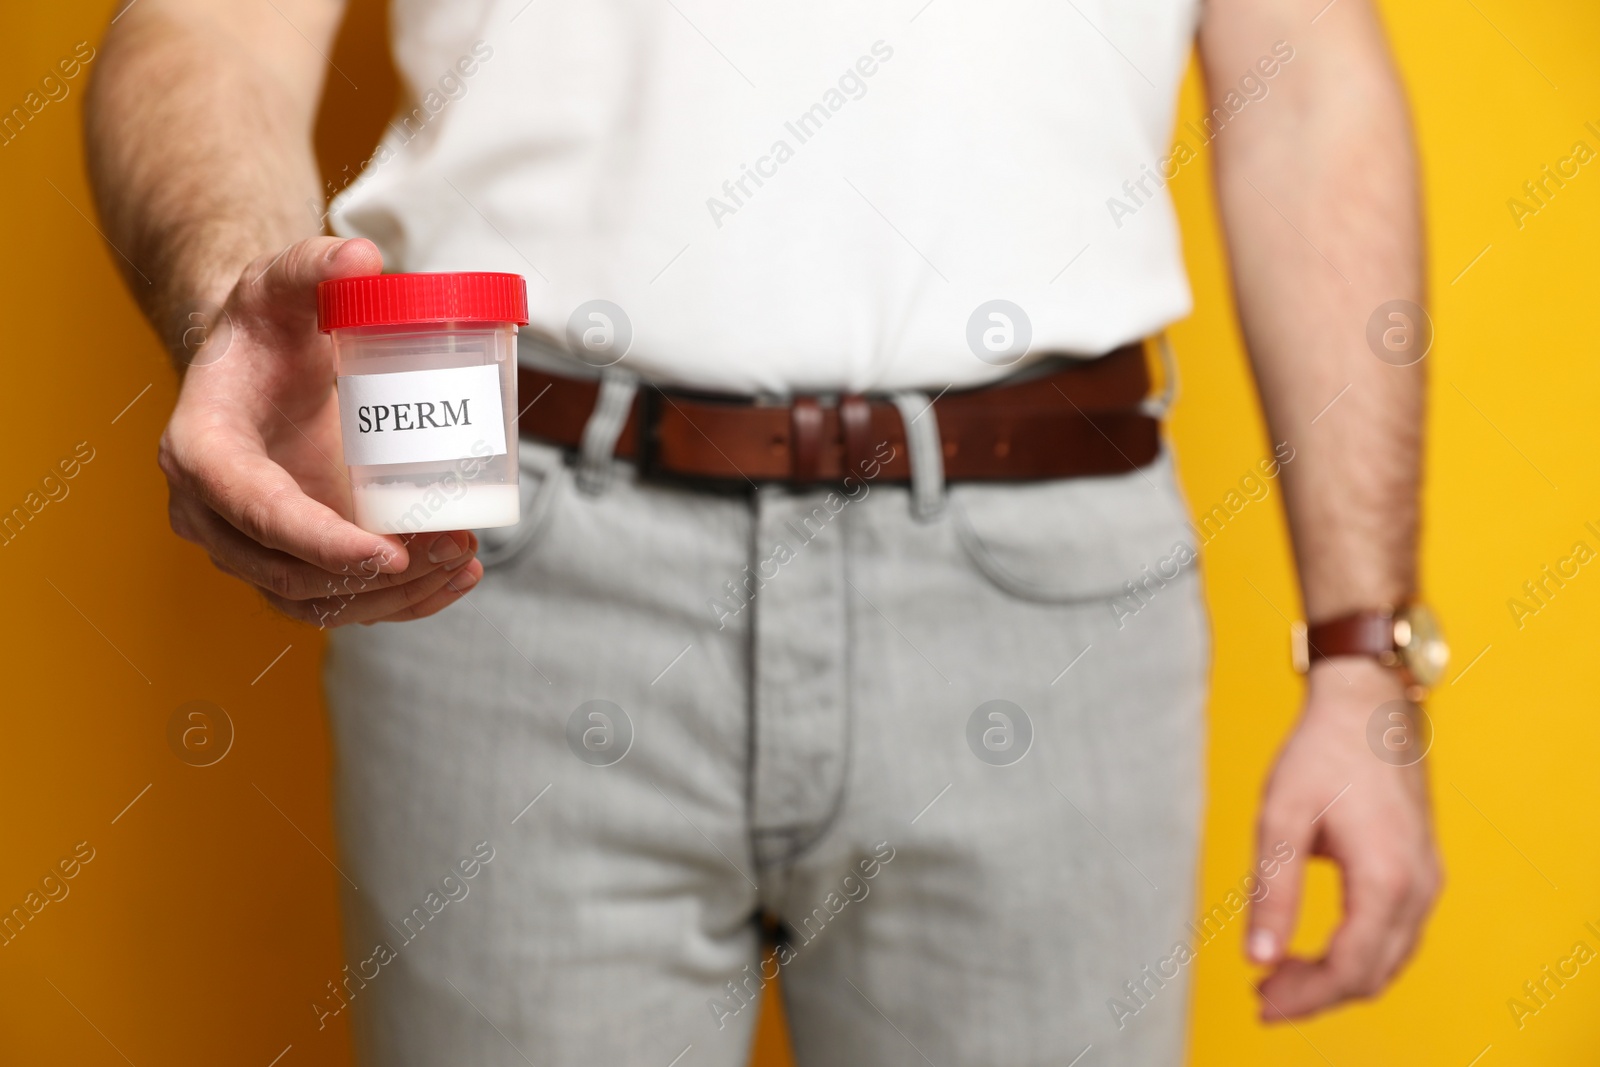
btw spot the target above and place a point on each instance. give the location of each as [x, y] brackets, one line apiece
[422, 415]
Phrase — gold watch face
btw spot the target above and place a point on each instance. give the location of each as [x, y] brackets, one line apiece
[1421, 644]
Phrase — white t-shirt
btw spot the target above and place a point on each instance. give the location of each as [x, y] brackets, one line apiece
[794, 196]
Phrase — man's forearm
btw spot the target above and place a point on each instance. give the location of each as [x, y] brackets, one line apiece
[1318, 190]
[199, 143]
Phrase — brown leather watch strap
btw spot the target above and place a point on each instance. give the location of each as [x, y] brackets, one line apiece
[1081, 420]
[1362, 633]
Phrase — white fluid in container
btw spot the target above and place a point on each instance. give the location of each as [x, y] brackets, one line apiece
[411, 508]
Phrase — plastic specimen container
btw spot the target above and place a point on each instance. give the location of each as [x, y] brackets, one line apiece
[427, 384]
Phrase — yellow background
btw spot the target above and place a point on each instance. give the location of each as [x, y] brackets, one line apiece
[206, 924]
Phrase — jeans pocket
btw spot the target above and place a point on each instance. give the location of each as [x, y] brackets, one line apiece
[542, 479]
[1076, 539]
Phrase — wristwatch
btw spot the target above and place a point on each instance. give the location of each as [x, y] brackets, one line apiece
[1406, 637]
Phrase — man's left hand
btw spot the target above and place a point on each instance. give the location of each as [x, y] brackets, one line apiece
[1332, 795]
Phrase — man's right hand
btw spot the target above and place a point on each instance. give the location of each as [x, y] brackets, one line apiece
[254, 464]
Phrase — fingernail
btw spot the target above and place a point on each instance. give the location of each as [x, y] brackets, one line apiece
[444, 547]
[1263, 946]
[334, 251]
[463, 582]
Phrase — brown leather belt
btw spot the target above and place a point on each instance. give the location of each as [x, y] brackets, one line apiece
[1082, 420]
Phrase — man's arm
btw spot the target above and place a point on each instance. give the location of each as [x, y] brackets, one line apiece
[199, 128]
[199, 140]
[1318, 189]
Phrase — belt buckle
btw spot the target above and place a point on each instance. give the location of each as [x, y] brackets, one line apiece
[647, 451]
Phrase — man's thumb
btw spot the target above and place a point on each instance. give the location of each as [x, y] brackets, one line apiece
[289, 280]
[1281, 871]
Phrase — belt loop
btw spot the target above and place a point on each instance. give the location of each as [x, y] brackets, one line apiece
[805, 439]
[611, 406]
[924, 452]
[1158, 405]
[855, 429]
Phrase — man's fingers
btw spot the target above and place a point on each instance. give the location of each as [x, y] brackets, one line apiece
[1283, 844]
[1362, 952]
[268, 506]
[444, 585]
[1295, 989]
[1413, 915]
[454, 589]
[294, 579]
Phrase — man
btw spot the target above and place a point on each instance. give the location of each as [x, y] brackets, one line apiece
[849, 604]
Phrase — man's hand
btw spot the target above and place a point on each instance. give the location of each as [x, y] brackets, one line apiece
[253, 459]
[1331, 795]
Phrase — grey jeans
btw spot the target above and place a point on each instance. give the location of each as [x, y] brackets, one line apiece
[951, 752]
